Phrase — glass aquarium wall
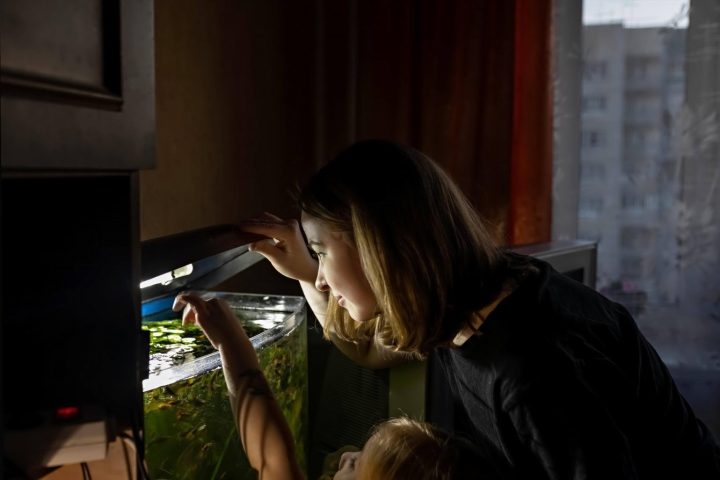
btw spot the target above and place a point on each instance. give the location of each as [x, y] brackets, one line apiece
[189, 430]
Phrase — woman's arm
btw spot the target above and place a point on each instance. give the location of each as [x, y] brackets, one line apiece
[263, 429]
[371, 354]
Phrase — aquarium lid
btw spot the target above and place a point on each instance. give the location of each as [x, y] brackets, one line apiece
[198, 259]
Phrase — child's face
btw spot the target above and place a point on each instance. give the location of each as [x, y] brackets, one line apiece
[339, 270]
[349, 465]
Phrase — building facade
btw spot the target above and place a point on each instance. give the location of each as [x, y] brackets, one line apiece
[633, 90]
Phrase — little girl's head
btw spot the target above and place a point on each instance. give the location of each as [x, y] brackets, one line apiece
[402, 448]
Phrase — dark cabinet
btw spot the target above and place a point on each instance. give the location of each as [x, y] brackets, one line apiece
[77, 85]
[78, 122]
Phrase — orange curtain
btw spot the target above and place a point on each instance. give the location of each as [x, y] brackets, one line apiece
[530, 212]
[466, 81]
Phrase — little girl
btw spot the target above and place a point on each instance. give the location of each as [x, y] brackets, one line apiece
[397, 449]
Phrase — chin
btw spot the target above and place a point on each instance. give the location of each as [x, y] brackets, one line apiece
[359, 317]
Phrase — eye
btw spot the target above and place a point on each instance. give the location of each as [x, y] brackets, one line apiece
[316, 255]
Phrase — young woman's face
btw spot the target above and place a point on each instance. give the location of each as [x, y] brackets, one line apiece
[339, 270]
[349, 464]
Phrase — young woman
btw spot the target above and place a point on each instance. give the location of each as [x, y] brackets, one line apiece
[398, 449]
[553, 374]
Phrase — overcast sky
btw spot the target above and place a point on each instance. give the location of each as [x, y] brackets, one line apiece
[636, 13]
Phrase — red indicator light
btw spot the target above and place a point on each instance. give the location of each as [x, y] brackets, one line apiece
[66, 413]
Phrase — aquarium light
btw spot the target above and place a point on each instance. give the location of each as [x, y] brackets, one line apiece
[168, 277]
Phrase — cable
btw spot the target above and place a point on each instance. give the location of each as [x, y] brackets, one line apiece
[133, 441]
[85, 471]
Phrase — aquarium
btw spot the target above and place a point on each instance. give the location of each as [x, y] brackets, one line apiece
[189, 430]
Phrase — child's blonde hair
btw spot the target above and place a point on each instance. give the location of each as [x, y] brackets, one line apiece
[427, 256]
[402, 448]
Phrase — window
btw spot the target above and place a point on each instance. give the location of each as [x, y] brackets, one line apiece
[590, 171]
[594, 70]
[643, 106]
[637, 68]
[633, 237]
[591, 206]
[594, 103]
[593, 139]
[654, 206]
[636, 137]
[632, 200]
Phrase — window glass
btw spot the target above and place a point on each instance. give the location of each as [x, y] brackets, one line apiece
[649, 176]
[593, 103]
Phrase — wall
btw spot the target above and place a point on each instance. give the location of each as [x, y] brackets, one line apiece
[253, 96]
[235, 109]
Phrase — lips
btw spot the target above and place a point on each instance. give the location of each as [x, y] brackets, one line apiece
[340, 300]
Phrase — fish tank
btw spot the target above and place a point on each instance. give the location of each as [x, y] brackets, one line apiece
[189, 428]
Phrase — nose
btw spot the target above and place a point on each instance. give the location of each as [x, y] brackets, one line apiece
[320, 282]
[345, 458]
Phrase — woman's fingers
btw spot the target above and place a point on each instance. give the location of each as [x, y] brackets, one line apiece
[269, 225]
[285, 248]
[267, 248]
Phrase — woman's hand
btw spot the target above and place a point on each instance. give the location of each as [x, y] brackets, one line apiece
[285, 249]
[213, 316]
[288, 253]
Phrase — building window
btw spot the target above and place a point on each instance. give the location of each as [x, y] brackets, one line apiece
[632, 200]
[592, 139]
[593, 103]
[592, 171]
[643, 105]
[639, 67]
[591, 206]
[594, 70]
[637, 237]
[636, 137]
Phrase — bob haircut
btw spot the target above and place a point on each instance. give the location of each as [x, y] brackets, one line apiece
[402, 448]
[423, 248]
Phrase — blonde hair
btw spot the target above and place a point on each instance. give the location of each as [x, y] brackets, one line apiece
[402, 448]
[424, 250]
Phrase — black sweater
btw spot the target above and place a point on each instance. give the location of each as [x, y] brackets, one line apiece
[563, 383]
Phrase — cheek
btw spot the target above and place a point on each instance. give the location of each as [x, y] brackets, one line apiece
[346, 474]
[360, 284]
[361, 289]
[363, 305]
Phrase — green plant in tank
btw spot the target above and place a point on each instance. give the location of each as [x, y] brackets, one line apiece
[189, 431]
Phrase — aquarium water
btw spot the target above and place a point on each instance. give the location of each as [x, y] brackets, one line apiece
[189, 430]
